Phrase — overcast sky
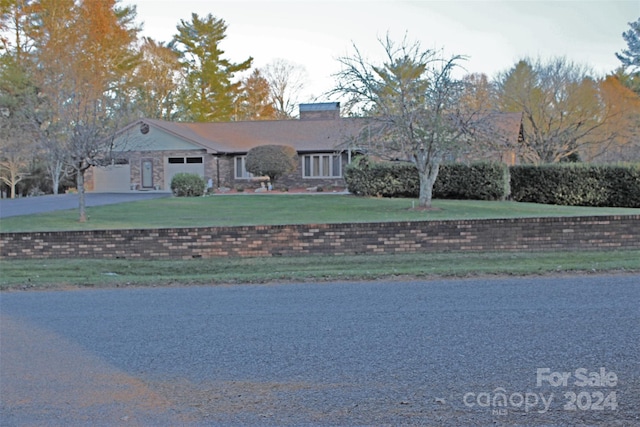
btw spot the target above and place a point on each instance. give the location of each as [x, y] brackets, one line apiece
[493, 34]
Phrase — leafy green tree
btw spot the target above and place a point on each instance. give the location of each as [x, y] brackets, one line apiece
[273, 161]
[209, 92]
[412, 104]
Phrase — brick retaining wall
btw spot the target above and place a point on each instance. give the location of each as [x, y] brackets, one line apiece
[521, 234]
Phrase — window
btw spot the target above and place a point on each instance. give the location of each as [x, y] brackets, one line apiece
[240, 168]
[183, 160]
[322, 166]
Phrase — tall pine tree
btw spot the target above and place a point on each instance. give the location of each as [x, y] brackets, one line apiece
[209, 92]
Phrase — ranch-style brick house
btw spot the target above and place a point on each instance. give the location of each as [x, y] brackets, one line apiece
[148, 152]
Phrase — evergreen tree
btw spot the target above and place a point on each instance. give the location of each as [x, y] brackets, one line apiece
[630, 57]
[209, 92]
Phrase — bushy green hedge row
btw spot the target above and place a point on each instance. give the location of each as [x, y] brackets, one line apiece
[577, 185]
[561, 184]
[187, 185]
[480, 181]
[365, 178]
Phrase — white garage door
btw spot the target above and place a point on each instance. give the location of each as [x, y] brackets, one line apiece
[174, 165]
[112, 179]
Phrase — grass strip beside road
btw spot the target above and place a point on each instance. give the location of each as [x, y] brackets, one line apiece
[83, 273]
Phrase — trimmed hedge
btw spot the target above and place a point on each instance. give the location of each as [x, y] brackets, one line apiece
[366, 178]
[577, 185]
[187, 185]
[558, 184]
[479, 181]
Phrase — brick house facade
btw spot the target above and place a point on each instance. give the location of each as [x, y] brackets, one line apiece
[150, 152]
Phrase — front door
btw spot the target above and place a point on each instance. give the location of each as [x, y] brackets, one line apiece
[147, 174]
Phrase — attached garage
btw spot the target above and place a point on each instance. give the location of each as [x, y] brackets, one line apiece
[112, 178]
[186, 164]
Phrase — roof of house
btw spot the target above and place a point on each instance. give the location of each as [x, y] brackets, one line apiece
[303, 135]
[239, 137]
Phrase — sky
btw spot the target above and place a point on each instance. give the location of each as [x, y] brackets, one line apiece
[494, 35]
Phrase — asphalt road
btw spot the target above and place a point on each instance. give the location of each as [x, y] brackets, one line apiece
[563, 351]
[49, 203]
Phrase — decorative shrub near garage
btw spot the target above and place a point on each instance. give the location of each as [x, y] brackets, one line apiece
[187, 185]
[577, 184]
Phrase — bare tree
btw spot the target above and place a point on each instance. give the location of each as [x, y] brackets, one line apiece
[412, 104]
[566, 112]
[14, 160]
[286, 81]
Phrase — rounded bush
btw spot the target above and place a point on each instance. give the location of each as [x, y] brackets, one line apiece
[273, 161]
[188, 185]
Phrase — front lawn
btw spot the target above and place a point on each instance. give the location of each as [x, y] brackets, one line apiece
[279, 209]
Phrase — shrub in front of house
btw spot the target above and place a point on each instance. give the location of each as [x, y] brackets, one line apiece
[273, 161]
[577, 184]
[188, 185]
[480, 181]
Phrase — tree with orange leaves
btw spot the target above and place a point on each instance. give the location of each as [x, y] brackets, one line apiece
[620, 135]
[84, 54]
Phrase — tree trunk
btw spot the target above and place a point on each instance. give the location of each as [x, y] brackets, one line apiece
[13, 186]
[81, 201]
[428, 177]
[55, 171]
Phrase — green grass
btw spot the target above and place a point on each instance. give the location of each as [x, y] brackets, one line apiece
[232, 210]
[57, 274]
[293, 209]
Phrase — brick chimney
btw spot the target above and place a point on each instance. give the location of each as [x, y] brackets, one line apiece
[320, 111]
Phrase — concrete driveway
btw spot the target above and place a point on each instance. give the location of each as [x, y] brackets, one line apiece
[49, 203]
